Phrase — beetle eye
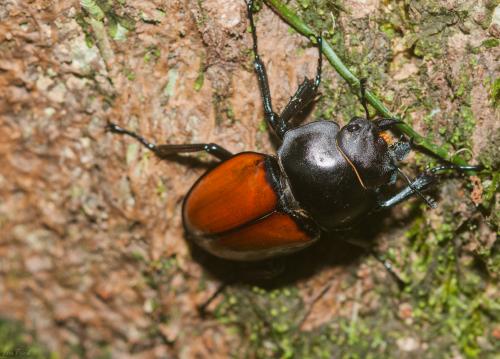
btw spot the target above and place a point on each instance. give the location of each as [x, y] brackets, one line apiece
[353, 127]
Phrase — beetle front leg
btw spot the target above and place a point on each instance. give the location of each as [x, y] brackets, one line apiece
[307, 91]
[420, 183]
[277, 124]
[166, 150]
[303, 96]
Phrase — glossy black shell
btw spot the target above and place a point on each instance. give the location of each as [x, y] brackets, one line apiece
[320, 176]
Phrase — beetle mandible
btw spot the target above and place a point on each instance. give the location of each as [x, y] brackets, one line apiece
[254, 206]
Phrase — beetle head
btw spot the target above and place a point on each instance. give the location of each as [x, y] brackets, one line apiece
[366, 151]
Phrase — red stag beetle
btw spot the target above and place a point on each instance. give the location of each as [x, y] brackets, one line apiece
[254, 206]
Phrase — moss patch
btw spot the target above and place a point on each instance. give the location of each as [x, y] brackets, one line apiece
[15, 342]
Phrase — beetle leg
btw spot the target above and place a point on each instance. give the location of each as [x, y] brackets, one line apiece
[202, 308]
[164, 151]
[306, 92]
[214, 149]
[278, 126]
[362, 87]
[420, 183]
[385, 262]
[389, 268]
[302, 97]
[316, 299]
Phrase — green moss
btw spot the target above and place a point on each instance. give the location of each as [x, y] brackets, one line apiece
[450, 293]
[103, 13]
[272, 321]
[200, 79]
[463, 128]
[130, 74]
[495, 92]
[152, 54]
[159, 272]
[93, 9]
[202, 18]
[304, 3]
[116, 30]
[161, 189]
[490, 43]
[137, 256]
[388, 29]
[321, 14]
[266, 321]
[15, 342]
[230, 112]
[490, 188]
[262, 128]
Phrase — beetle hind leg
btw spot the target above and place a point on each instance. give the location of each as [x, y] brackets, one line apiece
[389, 267]
[166, 150]
[202, 308]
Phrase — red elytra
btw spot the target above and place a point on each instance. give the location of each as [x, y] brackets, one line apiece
[233, 212]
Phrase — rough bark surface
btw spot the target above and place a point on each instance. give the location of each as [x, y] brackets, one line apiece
[94, 262]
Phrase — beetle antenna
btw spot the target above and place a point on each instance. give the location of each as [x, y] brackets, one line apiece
[362, 86]
[456, 168]
[429, 201]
